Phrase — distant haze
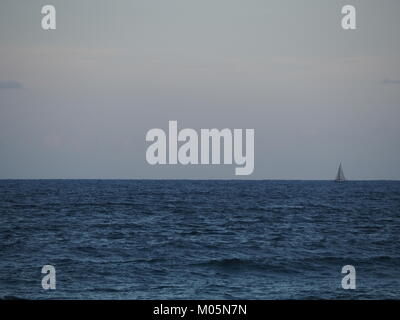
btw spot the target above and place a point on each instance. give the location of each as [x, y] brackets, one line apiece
[78, 101]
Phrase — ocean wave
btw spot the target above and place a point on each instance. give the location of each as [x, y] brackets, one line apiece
[249, 264]
[6, 297]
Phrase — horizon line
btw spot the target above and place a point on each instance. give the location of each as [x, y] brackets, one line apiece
[201, 179]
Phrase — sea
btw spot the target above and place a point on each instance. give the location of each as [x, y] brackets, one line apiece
[199, 239]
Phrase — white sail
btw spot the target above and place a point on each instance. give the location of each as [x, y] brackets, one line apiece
[340, 174]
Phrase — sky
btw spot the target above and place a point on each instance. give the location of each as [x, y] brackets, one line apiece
[77, 102]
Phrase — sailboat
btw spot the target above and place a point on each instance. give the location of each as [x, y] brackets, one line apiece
[340, 175]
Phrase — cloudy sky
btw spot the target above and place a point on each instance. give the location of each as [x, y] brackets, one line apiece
[77, 102]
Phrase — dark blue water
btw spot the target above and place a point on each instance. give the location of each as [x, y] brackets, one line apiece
[199, 239]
